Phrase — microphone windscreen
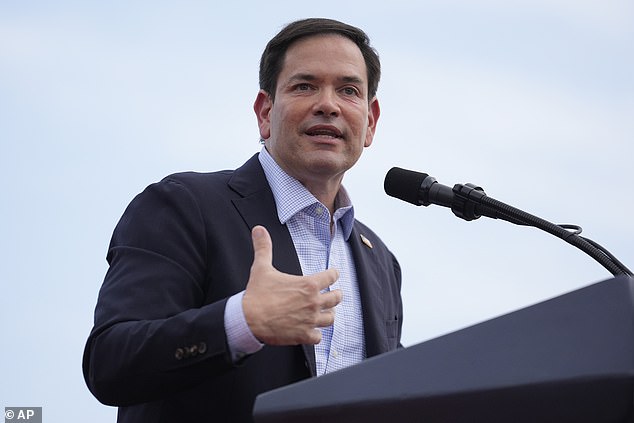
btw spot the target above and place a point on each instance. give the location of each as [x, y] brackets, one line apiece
[404, 184]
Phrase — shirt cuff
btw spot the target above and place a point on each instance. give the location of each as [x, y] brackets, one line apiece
[239, 336]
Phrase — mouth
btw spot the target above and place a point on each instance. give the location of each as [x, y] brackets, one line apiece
[324, 131]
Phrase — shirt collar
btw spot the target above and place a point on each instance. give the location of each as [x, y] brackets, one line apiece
[291, 196]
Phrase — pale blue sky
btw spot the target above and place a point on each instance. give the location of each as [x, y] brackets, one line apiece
[532, 100]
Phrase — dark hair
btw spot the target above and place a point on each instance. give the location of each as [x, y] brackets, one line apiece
[275, 51]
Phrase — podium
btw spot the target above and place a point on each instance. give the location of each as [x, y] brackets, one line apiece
[567, 359]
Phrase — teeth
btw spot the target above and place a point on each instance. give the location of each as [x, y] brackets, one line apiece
[327, 133]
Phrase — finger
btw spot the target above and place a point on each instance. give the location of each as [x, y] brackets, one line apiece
[330, 299]
[262, 246]
[314, 337]
[326, 278]
[325, 318]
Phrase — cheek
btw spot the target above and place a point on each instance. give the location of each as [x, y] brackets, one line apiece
[360, 130]
[360, 120]
[281, 121]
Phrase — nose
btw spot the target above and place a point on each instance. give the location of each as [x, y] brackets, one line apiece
[326, 103]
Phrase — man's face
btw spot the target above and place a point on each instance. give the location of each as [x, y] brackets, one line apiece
[321, 118]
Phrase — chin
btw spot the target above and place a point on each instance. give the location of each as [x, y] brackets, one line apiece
[327, 167]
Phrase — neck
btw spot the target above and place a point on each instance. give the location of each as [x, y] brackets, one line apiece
[325, 193]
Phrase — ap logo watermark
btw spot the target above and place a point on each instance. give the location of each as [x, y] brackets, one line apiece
[23, 414]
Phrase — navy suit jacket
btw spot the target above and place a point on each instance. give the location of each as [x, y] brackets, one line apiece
[158, 348]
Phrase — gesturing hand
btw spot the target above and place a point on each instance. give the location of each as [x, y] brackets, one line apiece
[283, 309]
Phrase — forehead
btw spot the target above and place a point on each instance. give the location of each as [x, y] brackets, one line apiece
[324, 54]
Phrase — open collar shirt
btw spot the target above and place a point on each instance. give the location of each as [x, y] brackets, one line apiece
[319, 246]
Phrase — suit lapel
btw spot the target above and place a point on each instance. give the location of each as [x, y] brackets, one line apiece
[370, 291]
[257, 207]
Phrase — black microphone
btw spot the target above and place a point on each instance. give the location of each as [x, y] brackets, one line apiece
[469, 202]
[421, 189]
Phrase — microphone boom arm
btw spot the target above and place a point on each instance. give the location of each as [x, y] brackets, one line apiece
[471, 197]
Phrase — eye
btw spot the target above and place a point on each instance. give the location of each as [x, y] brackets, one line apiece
[303, 87]
[350, 91]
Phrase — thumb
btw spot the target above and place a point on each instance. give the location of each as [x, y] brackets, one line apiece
[262, 246]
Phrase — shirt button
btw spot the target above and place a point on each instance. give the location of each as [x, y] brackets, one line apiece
[334, 353]
[319, 211]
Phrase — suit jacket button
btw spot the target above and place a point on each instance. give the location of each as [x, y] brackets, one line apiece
[179, 354]
[193, 350]
[202, 348]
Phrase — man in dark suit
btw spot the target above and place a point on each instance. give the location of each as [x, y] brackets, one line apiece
[224, 285]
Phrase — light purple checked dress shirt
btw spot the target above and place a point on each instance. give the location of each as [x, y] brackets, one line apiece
[318, 249]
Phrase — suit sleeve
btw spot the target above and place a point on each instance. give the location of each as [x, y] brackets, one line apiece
[154, 333]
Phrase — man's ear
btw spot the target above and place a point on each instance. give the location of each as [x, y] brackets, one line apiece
[374, 111]
[262, 108]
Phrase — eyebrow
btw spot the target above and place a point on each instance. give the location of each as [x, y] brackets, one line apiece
[311, 77]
